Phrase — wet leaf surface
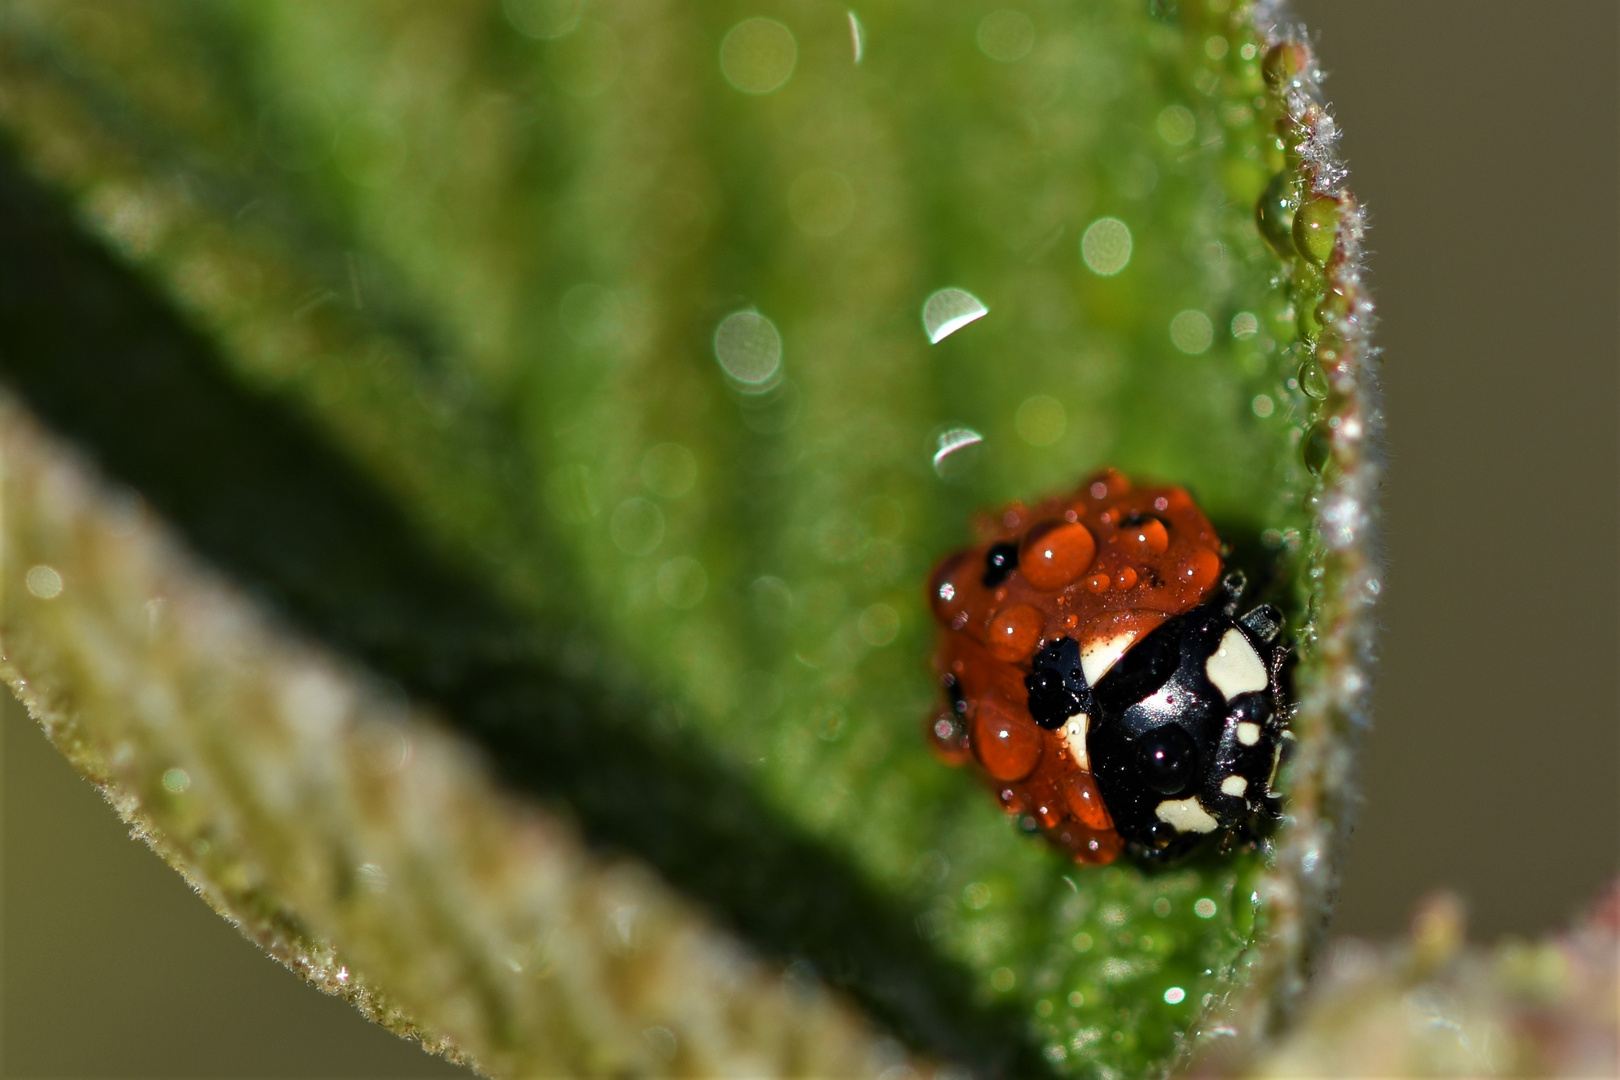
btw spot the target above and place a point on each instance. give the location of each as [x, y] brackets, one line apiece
[583, 377]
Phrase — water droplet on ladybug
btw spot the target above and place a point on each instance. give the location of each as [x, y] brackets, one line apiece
[1048, 815]
[1201, 569]
[1125, 580]
[999, 561]
[946, 592]
[1008, 746]
[1098, 583]
[1015, 632]
[1166, 759]
[1085, 803]
[1055, 553]
[1145, 537]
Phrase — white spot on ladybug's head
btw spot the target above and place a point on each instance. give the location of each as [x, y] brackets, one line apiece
[1248, 733]
[1235, 786]
[1074, 737]
[1235, 668]
[1186, 815]
[1103, 653]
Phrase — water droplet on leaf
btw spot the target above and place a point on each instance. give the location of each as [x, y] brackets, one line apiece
[948, 310]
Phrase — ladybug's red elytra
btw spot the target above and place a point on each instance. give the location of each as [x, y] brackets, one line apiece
[1097, 675]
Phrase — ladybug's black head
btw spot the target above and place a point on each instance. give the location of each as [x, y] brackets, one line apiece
[1187, 728]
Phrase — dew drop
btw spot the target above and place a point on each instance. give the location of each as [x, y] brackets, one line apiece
[1146, 537]
[1274, 214]
[669, 470]
[1192, 332]
[1055, 555]
[1316, 228]
[1175, 996]
[1106, 246]
[1006, 35]
[44, 582]
[543, 19]
[1201, 569]
[1176, 125]
[1285, 62]
[1041, 420]
[682, 582]
[758, 55]
[948, 310]
[878, 625]
[749, 348]
[637, 526]
[950, 459]
[1008, 747]
[1312, 379]
[1015, 632]
[1316, 448]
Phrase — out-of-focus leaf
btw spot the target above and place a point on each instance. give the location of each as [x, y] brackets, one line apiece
[416, 328]
[1433, 1007]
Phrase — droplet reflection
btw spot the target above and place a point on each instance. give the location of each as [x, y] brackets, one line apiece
[669, 470]
[821, 202]
[1006, 35]
[637, 526]
[758, 55]
[44, 582]
[1176, 125]
[544, 19]
[950, 459]
[682, 582]
[1106, 246]
[749, 348]
[948, 310]
[1041, 420]
[1192, 332]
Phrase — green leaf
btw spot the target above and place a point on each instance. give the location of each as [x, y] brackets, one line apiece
[559, 379]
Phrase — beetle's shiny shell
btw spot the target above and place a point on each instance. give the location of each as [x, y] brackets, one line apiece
[1104, 567]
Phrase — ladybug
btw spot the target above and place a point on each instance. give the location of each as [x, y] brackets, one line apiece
[1098, 675]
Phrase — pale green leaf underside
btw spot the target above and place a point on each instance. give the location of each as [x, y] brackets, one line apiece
[454, 407]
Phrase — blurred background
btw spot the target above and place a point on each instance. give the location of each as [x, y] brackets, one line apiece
[1483, 138]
